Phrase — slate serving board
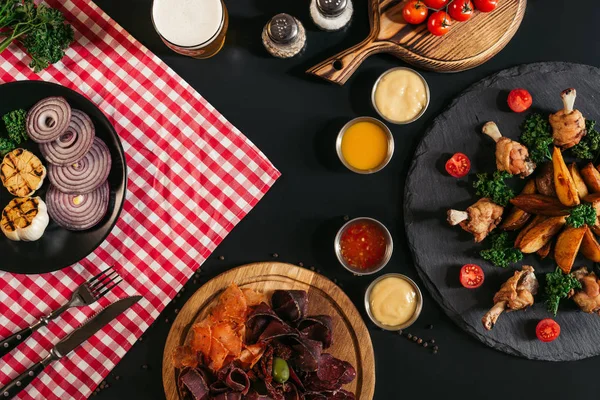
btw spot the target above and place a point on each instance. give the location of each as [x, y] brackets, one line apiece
[440, 250]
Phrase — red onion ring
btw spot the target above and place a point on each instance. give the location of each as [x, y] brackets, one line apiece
[85, 175]
[77, 212]
[74, 143]
[48, 119]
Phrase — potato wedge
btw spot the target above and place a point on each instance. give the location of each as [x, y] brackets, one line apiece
[596, 227]
[591, 177]
[536, 220]
[517, 218]
[544, 180]
[563, 182]
[540, 234]
[567, 247]
[540, 205]
[590, 248]
[582, 189]
[545, 250]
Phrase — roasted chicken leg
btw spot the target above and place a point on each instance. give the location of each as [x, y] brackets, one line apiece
[514, 294]
[511, 156]
[568, 124]
[588, 297]
[479, 219]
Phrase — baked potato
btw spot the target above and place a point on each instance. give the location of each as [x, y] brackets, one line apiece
[590, 248]
[582, 189]
[536, 220]
[540, 204]
[563, 182]
[545, 250]
[517, 218]
[591, 177]
[567, 247]
[540, 234]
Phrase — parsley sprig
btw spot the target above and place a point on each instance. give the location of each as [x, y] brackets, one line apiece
[537, 136]
[558, 286]
[583, 214]
[502, 252]
[495, 188]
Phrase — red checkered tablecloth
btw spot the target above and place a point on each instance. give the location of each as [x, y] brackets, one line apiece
[192, 177]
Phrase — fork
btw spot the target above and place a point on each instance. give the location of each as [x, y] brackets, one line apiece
[86, 294]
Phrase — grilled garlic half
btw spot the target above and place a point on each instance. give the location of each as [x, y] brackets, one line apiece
[24, 219]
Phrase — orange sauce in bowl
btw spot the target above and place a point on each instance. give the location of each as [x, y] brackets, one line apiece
[363, 245]
[364, 145]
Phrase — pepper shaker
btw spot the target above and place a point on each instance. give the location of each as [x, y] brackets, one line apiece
[284, 36]
[331, 15]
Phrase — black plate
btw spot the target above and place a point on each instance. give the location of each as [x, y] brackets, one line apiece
[59, 248]
[440, 250]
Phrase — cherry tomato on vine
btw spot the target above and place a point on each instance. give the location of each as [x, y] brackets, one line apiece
[437, 4]
[439, 23]
[519, 100]
[485, 5]
[458, 165]
[415, 12]
[547, 330]
[471, 276]
[461, 10]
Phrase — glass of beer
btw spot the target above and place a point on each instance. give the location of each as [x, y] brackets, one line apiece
[194, 28]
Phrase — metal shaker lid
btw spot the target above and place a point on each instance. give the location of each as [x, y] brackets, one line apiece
[331, 8]
[282, 28]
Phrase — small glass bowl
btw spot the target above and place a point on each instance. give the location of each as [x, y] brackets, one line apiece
[419, 115]
[390, 143]
[388, 250]
[412, 319]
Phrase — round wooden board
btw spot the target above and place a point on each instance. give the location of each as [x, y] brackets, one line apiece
[352, 341]
[467, 45]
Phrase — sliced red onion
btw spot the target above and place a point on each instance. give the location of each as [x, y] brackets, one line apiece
[77, 212]
[48, 119]
[86, 174]
[74, 143]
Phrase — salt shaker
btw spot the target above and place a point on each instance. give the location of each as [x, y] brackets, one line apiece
[284, 36]
[331, 15]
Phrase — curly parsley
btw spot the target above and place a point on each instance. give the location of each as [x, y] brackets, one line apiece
[502, 252]
[558, 286]
[16, 126]
[589, 146]
[537, 136]
[495, 188]
[583, 214]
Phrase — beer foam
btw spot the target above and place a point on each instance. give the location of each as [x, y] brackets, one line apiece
[187, 23]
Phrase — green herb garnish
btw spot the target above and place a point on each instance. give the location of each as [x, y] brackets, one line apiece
[16, 126]
[6, 146]
[495, 188]
[537, 136]
[588, 147]
[583, 214]
[558, 286]
[41, 30]
[502, 252]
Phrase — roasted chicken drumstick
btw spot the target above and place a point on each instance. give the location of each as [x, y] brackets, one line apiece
[588, 297]
[514, 294]
[511, 156]
[568, 124]
[479, 219]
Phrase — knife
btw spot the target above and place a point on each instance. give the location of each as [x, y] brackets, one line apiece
[68, 344]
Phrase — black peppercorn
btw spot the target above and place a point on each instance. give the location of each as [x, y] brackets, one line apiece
[301, 264]
[420, 341]
[334, 280]
[167, 320]
[435, 352]
[144, 366]
[312, 268]
[409, 336]
[430, 326]
[414, 339]
[176, 310]
[346, 218]
[117, 377]
[221, 258]
[275, 255]
[425, 344]
[435, 348]
[400, 332]
[106, 386]
[194, 281]
[432, 341]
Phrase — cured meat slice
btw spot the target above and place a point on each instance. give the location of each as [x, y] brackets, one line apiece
[184, 356]
[218, 354]
[225, 334]
[276, 329]
[202, 338]
[290, 305]
[251, 354]
[334, 369]
[307, 354]
[231, 306]
[235, 379]
[258, 320]
[318, 327]
[194, 382]
[254, 298]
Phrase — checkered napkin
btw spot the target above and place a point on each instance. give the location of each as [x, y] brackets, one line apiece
[192, 177]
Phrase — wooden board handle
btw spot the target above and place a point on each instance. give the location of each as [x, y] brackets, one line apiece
[339, 68]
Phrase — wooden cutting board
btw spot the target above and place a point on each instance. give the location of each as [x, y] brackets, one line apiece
[352, 342]
[467, 45]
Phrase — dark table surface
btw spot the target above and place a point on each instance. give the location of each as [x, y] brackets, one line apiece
[293, 119]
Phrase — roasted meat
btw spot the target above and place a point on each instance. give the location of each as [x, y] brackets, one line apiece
[514, 294]
[568, 124]
[479, 219]
[588, 297]
[511, 156]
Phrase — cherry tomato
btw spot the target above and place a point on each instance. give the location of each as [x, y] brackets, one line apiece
[439, 23]
[547, 330]
[471, 276]
[458, 165]
[519, 100]
[415, 12]
[461, 10]
[485, 5]
[437, 4]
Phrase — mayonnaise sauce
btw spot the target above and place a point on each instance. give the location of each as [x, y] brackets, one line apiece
[393, 301]
[401, 95]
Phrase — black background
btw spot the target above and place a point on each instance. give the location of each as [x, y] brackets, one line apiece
[293, 119]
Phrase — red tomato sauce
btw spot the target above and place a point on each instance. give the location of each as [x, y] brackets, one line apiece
[363, 245]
